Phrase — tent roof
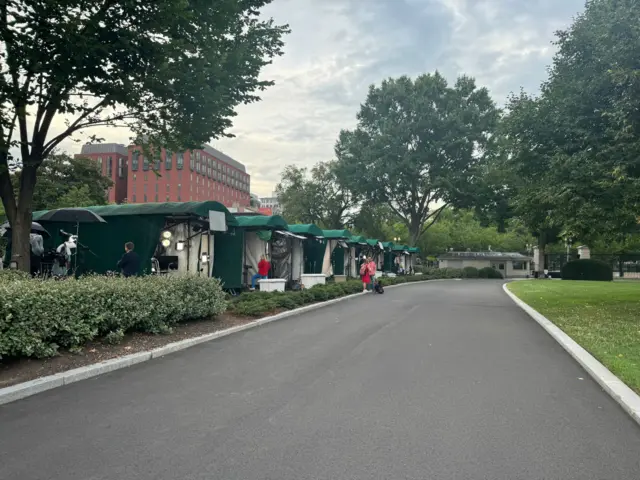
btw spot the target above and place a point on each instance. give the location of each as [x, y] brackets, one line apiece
[400, 248]
[372, 241]
[336, 234]
[357, 239]
[306, 229]
[263, 222]
[388, 245]
[200, 209]
[413, 250]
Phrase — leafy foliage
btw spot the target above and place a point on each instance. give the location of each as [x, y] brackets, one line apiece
[39, 316]
[570, 156]
[461, 231]
[587, 269]
[315, 196]
[64, 181]
[417, 145]
[470, 272]
[170, 71]
[489, 272]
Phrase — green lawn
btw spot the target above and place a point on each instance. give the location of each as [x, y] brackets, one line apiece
[603, 317]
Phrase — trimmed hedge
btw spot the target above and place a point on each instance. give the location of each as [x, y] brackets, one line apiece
[587, 269]
[470, 272]
[39, 316]
[489, 272]
[259, 304]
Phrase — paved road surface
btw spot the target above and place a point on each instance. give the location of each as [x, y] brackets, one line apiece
[447, 380]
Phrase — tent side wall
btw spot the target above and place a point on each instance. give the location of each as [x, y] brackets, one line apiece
[314, 255]
[227, 258]
[107, 240]
[337, 259]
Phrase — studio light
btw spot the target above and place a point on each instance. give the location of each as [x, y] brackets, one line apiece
[166, 242]
[166, 234]
[180, 245]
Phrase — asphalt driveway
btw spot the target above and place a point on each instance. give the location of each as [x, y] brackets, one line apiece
[447, 380]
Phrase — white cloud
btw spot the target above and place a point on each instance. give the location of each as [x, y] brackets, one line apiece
[338, 47]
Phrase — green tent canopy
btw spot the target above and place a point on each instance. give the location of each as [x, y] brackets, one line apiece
[198, 209]
[262, 222]
[358, 239]
[308, 229]
[413, 250]
[336, 234]
[387, 245]
[400, 248]
[373, 242]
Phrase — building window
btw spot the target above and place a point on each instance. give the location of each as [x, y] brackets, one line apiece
[156, 198]
[167, 198]
[120, 167]
[100, 164]
[179, 160]
[135, 177]
[517, 265]
[145, 198]
[168, 159]
[156, 164]
[168, 187]
[156, 188]
[135, 158]
[134, 198]
[145, 188]
[145, 163]
[109, 167]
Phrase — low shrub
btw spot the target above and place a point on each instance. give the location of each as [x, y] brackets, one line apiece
[470, 272]
[587, 269]
[39, 316]
[489, 272]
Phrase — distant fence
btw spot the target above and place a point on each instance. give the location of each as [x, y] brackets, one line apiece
[626, 265]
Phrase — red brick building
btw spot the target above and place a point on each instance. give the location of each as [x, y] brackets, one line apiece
[112, 162]
[198, 175]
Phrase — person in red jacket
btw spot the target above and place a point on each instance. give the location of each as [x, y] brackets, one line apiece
[263, 270]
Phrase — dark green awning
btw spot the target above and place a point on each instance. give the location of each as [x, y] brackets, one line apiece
[262, 222]
[336, 234]
[200, 209]
[306, 229]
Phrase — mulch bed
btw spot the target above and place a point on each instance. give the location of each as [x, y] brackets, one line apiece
[14, 371]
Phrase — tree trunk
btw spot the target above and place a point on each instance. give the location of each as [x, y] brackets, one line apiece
[20, 245]
[21, 226]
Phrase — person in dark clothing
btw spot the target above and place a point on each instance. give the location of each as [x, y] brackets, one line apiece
[129, 264]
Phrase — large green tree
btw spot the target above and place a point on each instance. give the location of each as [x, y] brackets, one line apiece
[587, 124]
[170, 71]
[315, 196]
[417, 146]
[522, 166]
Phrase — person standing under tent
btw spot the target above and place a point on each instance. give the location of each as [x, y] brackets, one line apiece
[263, 271]
[129, 264]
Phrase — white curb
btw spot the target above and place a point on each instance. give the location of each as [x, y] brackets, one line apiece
[616, 388]
[26, 389]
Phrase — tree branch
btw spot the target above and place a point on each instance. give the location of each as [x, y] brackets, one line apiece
[437, 214]
[76, 126]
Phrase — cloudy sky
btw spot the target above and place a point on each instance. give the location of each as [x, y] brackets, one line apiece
[337, 48]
